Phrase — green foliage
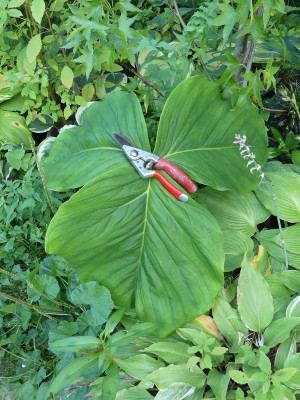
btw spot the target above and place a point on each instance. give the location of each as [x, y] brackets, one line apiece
[158, 260]
[25, 213]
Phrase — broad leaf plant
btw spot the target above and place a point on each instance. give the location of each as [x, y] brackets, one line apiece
[128, 234]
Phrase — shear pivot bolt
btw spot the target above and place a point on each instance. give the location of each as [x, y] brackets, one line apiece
[134, 153]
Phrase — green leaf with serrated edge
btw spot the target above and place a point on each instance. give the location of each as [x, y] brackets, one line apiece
[293, 362]
[196, 132]
[139, 366]
[13, 130]
[171, 352]
[264, 362]
[165, 376]
[279, 330]
[238, 377]
[255, 302]
[37, 10]
[234, 211]
[66, 76]
[283, 375]
[88, 92]
[33, 48]
[271, 240]
[83, 366]
[219, 383]
[75, 343]
[83, 153]
[14, 158]
[111, 383]
[285, 186]
[135, 221]
[45, 284]
[218, 351]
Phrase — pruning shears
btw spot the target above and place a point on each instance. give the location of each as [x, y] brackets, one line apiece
[143, 161]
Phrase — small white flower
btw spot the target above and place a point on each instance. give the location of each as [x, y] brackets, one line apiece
[256, 168]
[245, 152]
[23, 366]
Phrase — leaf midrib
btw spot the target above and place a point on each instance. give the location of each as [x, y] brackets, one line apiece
[97, 148]
[198, 149]
[143, 233]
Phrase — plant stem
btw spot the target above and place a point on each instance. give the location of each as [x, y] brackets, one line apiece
[282, 241]
[31, 286]
[23, 303]
[176, 12]
[251, 49]
[140, 76]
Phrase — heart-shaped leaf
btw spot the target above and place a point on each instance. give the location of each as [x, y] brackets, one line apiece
[133, 237]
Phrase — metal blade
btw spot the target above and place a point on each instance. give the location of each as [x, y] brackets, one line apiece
[123, 140]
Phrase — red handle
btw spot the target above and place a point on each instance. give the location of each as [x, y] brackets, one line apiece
[176, 173]
[170, 188]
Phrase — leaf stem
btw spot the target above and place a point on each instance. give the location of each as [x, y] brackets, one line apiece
[176, 12]
[33, 307]
[282, 241]
[140, 76]
[31, 286]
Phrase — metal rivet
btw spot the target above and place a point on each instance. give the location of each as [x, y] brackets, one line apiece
[134, 153]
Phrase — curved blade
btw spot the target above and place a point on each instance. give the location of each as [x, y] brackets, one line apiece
[123, 140]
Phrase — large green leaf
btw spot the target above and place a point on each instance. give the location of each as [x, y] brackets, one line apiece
[133, 237]
[81, 153]
[196, 132]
